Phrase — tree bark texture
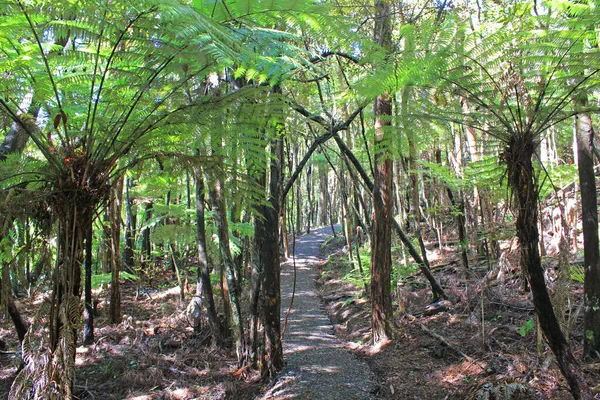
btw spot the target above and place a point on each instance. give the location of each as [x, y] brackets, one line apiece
[114, 218]
[220, 217]
[257, 271]
[591, 249]
[203, 285]
[381, 241]
[271, 268]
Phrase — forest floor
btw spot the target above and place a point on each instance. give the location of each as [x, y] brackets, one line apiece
[153, 354]
[480, 346]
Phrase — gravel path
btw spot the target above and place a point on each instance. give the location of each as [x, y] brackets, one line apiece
[318, 366]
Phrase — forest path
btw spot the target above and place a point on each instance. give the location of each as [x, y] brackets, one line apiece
[318, 365]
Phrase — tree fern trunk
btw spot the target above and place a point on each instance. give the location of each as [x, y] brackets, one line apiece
[518, 157]
[76, 214]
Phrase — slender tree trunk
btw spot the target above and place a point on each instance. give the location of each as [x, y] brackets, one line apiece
[461, 221]
[220, 217]
[591, 249]
[114, 210]
[8, 300]
[203, 284]
[130, 223]
[324, 199]
[309, 199]
[299, 206]
[284, 232]
[518, 157]
[88, 310]
[146, 245]
[381, 242]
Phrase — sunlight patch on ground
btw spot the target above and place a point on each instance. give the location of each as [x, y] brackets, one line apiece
[180, 394]
[321, 369]
[292, 348]
[458, 373]
[174, 291]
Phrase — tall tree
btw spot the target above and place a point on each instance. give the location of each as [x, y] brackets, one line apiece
[581, 19]
[204, 292]
[381, 241]
[589, 216]
[119, 81]
[521, 93]
[218, 201]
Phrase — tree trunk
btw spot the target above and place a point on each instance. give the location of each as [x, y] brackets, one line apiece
[309, 199]
[518, 157]
[146, 245]
[65, 310]
[130, 223]
[284, 232]
[17, 136]
[12, 309]
[381, 242]
[591, 250]
[88, 311]
[324, 199]
[269, 256]
[220, 217]
[114, 212]
[461, 222]
[203, 284]
[435, 286]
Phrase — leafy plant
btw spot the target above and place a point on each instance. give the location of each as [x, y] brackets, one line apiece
[526, 327]
[577, 273]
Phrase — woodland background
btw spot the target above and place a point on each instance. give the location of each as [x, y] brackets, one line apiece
[154, 144]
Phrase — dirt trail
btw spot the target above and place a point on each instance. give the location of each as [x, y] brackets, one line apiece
[318, 366]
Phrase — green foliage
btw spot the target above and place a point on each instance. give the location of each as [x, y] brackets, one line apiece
[174, 233]
[105, 279]
[526, 327]
[352, 271]
[557, 177]
[577, 273]
[487, 173]
[444, 174]
[515, 81]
